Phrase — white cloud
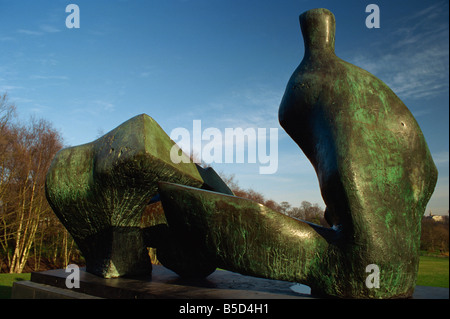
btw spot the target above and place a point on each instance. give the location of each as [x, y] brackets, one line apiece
[29, 32]
[39, 108]
[49, 28]
[441, 158]
[104, 105]
[439, 202]
[411, 74]
[41, 30]
[255, 106]
[21, 100]
[416, 64]
[8, 88]
[49, 77]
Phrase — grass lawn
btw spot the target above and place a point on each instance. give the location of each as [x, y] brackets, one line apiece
[6, 282]
[433, 271]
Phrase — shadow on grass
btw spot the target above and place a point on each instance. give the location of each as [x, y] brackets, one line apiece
[6, 291]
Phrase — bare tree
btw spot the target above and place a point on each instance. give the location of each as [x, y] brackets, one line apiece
[434, 236]
[25, 155]
[285, 206]
[308, 212]
[35, 148]
[7, 113]
[7, 110]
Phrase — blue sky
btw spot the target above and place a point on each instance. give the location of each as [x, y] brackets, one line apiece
[225, 63]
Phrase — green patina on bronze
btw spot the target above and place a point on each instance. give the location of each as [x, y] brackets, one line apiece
[99, 191]
[375, 172]
[242, 235]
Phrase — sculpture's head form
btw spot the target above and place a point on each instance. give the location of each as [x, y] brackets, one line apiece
[318, 28]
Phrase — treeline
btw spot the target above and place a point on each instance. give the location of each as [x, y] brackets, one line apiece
[435, 236]
[30, 234]
[33, 239]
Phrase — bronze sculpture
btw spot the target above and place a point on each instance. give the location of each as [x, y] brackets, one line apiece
[376, 176]
[374, 168]
[375, 171]
[100, 189]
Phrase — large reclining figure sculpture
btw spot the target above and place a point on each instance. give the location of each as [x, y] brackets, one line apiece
[375, 172]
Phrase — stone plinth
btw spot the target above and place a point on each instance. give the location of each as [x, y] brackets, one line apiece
[165, 284]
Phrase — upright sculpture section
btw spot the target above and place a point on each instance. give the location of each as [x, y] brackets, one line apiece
[374, 168]
[375, 173]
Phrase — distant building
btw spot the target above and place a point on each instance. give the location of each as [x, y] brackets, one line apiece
[437, 218]
[440, 218]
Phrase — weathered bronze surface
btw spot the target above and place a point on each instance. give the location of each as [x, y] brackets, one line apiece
[244, 236]
[100, 189]
[375, 172]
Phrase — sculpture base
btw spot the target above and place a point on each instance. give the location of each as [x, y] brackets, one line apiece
[165, 284]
